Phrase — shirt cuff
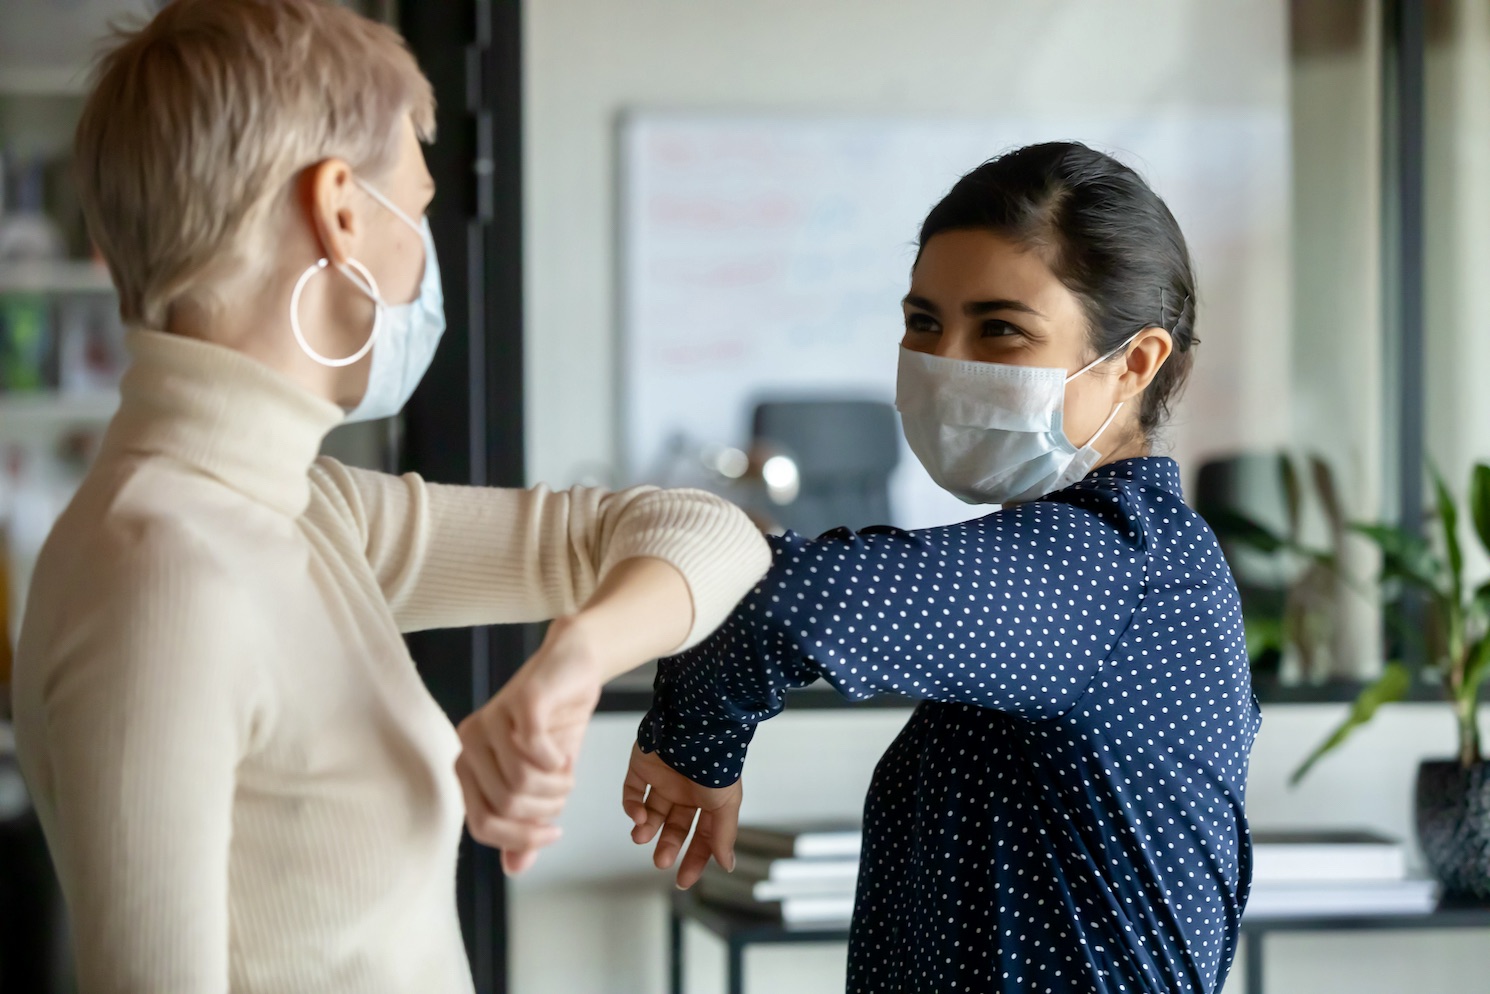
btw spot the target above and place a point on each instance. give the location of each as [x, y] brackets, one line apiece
[710, 752]
[709, 759]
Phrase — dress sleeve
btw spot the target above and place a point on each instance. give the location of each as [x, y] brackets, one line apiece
[450, 556]
[1015, 611]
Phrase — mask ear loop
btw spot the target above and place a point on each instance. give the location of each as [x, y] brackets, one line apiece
[366, 284]
[1105, 425]
[381, 198]
[1093, 365]
[1101, 359]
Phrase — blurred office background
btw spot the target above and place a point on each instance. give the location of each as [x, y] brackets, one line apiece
[674, 234]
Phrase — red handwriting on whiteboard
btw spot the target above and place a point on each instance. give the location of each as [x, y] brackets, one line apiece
[692, 355]
[725, 273]
[713, 213]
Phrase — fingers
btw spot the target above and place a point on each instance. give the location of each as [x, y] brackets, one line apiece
[724, 827]
[490, 828]
[539, 747]
[512, 786]
[644, 805]
[526, 807]
[657, 810]
[506, 834]
[675, 828]
[508, 810]
[539, 725]
[522, 778]
[634, 800]
[516, 861]
[524, 733]
[513, 789]
[699, 850]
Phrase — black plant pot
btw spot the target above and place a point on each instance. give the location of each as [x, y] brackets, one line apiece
[1453, 814]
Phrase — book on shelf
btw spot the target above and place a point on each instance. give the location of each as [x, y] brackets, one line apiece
[789, 870]
[801, 909]
[1322, 856]
[1383, 897]
[807, 840]
[745, 886]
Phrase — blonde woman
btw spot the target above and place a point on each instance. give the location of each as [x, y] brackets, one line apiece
[243, 782]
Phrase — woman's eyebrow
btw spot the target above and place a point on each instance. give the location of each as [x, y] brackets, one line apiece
[976, 308]
[980, 307]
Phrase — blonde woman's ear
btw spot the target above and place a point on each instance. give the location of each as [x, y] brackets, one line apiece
[331, 208]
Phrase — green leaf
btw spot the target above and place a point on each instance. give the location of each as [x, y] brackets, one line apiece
[1479, 605]
[1236, 527]
[1329, 495]
[1293, 497]
[1477, 669]
[1263, 633]
[1391, 686]
[1448, 519]
[1479, 502]
[1405, 556]
[1410, 632]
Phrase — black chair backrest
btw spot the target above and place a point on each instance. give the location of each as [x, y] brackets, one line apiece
[845, 451]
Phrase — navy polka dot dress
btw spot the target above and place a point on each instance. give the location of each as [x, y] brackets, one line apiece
[1064, 811]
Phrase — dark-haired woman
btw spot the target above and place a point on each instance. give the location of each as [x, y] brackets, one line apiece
[1064, 811]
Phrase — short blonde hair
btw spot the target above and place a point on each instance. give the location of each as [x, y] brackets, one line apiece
[199, 121]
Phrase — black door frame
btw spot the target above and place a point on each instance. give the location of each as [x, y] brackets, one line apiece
[1404, 310]
[465, 424]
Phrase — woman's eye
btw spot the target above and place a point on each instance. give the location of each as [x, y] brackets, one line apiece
[920, 322]
[999, 329]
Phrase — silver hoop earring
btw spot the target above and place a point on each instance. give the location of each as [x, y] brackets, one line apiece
[370, 288]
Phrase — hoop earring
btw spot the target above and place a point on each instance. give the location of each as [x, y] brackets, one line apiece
[370, 288]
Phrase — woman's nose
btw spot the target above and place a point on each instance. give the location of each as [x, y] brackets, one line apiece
[953, 345]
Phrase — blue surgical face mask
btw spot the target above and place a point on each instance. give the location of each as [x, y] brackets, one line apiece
[992, 433]
[404, 336]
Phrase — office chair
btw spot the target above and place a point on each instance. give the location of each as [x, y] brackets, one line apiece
[845, 451]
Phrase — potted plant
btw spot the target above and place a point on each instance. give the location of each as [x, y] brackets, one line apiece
[1431, 605]
[1290, 589]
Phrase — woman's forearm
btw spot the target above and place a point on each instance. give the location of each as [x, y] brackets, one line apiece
[641, 610]
[448, 557]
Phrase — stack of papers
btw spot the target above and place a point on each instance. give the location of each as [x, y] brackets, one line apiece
[797, 875]
[1318, 873]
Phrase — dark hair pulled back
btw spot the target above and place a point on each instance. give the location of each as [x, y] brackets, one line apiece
[1105, 235]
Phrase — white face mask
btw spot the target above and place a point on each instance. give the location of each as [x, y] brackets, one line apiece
[405, 335]
[992, 433]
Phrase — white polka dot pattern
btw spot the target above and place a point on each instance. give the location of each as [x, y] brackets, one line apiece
[1065, 812]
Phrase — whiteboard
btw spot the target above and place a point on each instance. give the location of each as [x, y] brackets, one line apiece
[767, 256]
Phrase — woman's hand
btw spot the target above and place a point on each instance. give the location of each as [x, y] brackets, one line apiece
[516, 766]
[658, 797]
[518, 752]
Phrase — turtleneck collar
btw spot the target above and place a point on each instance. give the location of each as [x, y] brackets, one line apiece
[222, 413]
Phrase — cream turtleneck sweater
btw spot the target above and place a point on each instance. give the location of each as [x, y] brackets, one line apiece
[243, 781]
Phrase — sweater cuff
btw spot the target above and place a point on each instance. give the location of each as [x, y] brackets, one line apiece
[713, 544]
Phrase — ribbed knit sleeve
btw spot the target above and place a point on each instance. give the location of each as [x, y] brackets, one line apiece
[148, 707]
[454, 556]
